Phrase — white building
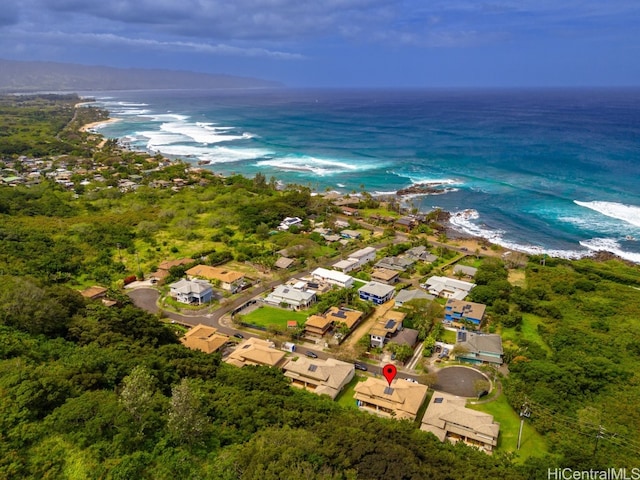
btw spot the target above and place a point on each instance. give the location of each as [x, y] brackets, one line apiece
[364, 255]
[294, 298]
[346, 266]
[289, 222]
[445, 287]
[332, 277]
[191, 291]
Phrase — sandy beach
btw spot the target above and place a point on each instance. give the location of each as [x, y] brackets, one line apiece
[94, 125]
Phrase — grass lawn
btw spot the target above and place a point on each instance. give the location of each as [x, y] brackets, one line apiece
[529, 331]
[532, 443]
[449, 337]
[358, 283]
[346, 396]
[265, 316]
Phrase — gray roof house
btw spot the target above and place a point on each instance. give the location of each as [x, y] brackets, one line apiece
[376, 292]
[396, 263]
[479, 347]
[294, 298]
[406, 295]
[465, 270]
[191, 291]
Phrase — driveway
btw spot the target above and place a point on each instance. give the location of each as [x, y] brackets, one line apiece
[458, 381]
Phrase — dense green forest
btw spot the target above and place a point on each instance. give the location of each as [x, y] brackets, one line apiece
[94, 392]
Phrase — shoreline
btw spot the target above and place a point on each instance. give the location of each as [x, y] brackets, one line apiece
[93, 125]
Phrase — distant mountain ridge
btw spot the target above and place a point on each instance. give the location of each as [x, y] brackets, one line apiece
[22, 77]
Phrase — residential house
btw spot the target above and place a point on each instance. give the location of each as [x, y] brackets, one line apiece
[406, 295]
[384, 275]
[460, 311]
[204, 338]
[479, 348]
[401, 264]
[350, 211]
[346, 266]
[356, 260]
[163, 269]
[292, 297]
[94, 293]
[332, 277]
[351, 234]
[289, 222]
[191, 291]
[229, 280]
[376, 292]
[364, 255]
[406, 223]
[323, 377]
[351, 318]
[406, 336]
[465, 271]
[283, 263]
[402, 399]
[385, 328]
[448, 419]
[318, 325]
[255, 351]
[445, 287]
[420, 253]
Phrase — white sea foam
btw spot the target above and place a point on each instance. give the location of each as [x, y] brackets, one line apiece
[464, 221]
[434, 181]
[627, 213]
[199, 133]
[318, 166]
[610, 245]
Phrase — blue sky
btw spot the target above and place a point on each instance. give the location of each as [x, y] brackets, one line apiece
[350, 43]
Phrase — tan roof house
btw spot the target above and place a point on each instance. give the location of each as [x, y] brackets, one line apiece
[229, 279]
[205, 338]
[255, 351]
[402, 399]
[345, 315]
[163, 268]
[324, 377]
[94, 293]
[448, 419]
[386, 327]
[385, 275]
[317, 325]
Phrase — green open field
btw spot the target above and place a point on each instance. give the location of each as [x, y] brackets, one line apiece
[265, 316]
[346, 396]
[449, 336]
[528, 331]
[532, 443]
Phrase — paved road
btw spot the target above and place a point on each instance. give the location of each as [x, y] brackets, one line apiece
[458, 381]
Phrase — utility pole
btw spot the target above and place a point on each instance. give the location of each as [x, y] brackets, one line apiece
[599, 435]
[524, 413]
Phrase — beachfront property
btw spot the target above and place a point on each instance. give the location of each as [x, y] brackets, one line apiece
[445, 287]
[323, 377]
[288, 295]
[289, 222]
[401, 264]
[384, 275]
[255, 351]
[204, 338]
[462, 312]
[229, 280]
[448, 419]
[332, 277]
[464, 271]
[385, 328]
[191, 291]
[478, 348]
[376, 292]
[407, 223]
[407, 295]
[401, 400]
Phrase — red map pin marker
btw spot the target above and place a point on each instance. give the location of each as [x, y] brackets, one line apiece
[389, 372]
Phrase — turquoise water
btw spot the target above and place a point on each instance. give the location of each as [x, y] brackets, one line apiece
[536, 170]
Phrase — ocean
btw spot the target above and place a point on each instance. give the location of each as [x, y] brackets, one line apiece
[553, 171]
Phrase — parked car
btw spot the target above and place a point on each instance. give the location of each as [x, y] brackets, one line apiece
[411, 380]
[483, 393]
[360, 366]
[238, 335]
[311, 354]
